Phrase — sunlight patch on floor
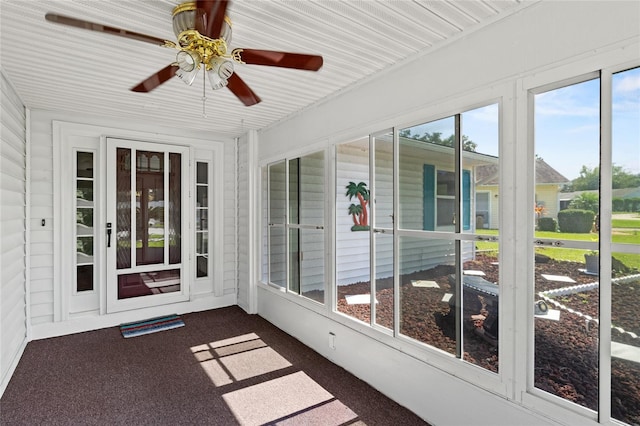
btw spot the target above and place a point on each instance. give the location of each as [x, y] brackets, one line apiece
[240, 358]
[289, 400]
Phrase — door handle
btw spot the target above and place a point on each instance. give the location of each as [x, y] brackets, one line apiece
[109, 234]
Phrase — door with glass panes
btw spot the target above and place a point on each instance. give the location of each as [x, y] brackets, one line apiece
[146, 226]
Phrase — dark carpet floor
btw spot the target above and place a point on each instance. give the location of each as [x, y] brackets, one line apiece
[223, 368]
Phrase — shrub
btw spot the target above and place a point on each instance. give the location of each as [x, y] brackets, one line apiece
[575, 221]
[618, 204]
[547, 224]
[585, 201]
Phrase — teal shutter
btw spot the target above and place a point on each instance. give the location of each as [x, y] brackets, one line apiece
[429, 197]
[466, 200]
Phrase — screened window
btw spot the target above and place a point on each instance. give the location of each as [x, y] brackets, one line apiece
[295, 232]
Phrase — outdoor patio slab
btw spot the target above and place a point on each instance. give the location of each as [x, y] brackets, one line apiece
[628, 352]
[424, 283]
[558, 278]
[359, 299]
[474, 273]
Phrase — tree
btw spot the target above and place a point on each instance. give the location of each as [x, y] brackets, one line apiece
[589, 179]
[436, 139]
[585, 201]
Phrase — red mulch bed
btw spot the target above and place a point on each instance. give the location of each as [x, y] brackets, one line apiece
[566, 351]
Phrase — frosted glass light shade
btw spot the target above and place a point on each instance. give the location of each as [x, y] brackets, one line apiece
[219, 73]
[187, 76]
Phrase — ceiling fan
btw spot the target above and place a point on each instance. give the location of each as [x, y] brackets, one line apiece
[203, 32]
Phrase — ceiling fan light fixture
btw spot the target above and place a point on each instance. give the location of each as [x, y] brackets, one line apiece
[187, 76]
[219, 71]
[188, 60]
[184, 18]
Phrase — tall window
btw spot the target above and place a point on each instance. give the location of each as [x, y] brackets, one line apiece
[587, 268]
[625, 243]
[449, 280]
[295, 230]
[435, 269]
[566, 286]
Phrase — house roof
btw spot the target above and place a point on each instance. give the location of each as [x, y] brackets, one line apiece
[545, 174]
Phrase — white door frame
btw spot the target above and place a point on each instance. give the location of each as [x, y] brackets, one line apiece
[113, 303]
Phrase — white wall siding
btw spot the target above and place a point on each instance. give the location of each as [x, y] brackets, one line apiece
[46, 298]
[243, 237]
[230, 218]
[13, 222]
[41, 262]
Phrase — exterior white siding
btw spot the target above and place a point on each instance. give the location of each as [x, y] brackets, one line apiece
[352, 258]
[13, 188]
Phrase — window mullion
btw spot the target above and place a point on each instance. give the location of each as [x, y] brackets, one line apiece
[457, 138]
[605, 292]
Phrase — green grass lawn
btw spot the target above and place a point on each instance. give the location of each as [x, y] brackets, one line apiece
[626, 223]
[628, 235]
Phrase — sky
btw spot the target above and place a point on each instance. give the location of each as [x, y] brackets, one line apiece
[567, 125]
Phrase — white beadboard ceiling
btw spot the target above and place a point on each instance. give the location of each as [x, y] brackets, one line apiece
[56, 67]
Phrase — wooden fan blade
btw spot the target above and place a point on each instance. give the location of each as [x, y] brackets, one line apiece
[242, 91]
[92, 26]
[215, 11]
[272, 58]
[156, 79]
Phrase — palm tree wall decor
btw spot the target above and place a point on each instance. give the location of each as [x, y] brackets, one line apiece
[359, 212]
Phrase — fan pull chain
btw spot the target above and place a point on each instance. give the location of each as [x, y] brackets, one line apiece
[204, 94]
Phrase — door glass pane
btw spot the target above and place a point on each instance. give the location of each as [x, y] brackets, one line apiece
[84, 165]
[202, 254]
[427, 179]
[84, 190]
[84, 278]
[427, 269]
[123, 208]
[353, 274]
[148, 283]
[567, 157]
[175, 207]
[625, 277]
[202, 173]
[150, 204]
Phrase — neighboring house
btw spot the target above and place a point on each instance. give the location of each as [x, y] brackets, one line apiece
[565, 198]
[427, 202]
[548, 184]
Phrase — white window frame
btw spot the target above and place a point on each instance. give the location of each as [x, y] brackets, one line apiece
[527, 87]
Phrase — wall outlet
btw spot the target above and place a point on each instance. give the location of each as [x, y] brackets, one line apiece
[332, 340]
